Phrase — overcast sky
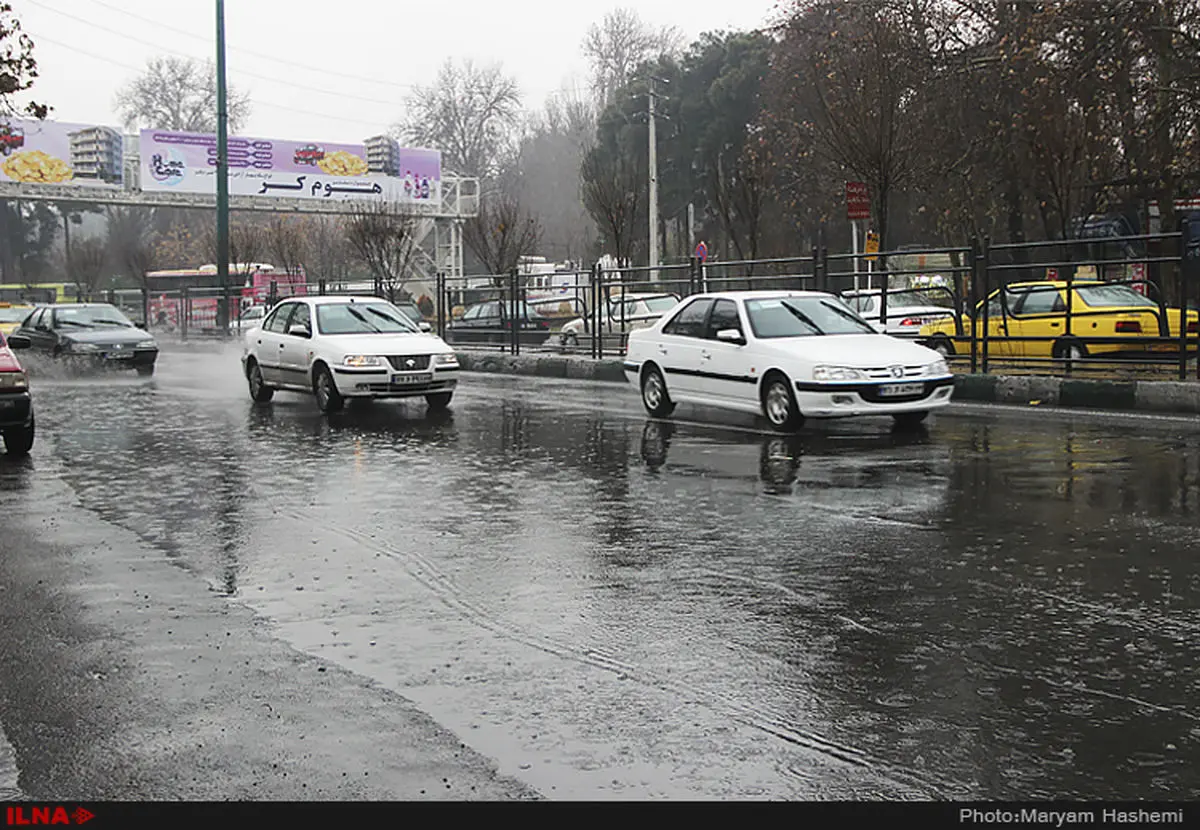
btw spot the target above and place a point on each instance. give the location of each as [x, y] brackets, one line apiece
[330, 71]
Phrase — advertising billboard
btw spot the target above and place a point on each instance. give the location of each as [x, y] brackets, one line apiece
[375, 170]
[54, 152]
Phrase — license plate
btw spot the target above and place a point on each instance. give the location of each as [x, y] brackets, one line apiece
[892, 390]
[120, 356]
[411, 380]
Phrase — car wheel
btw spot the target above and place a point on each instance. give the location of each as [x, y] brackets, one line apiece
[571, 340]
[328, 397]
[439, 400]
[1070, 350]
[779, 404]
[942, 345]
[910, 419]
[654, 393]
[18, 441]
[146, 371]
[259, 391]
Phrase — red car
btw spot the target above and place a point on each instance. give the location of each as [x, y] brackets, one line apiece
[11, 138]
[16, 404]
[308, 155]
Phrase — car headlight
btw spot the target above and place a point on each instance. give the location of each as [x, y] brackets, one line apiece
[146, 344]
[837, 373]
[13, 380]
[83, 347]
[938, 367]
[450, 359]
[360, 360]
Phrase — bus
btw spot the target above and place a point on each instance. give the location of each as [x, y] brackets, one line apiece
[250, 284]
[43, 293]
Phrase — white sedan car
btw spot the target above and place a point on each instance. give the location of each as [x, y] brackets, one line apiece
[908, 310]
[624, 313]
[785, 355]
[347, 347]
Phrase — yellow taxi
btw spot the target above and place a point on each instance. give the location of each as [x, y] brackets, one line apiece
[11, 315]
[1039, 309]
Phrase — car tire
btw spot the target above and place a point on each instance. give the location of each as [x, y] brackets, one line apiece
[908, 420]
[18, 441]
[1070, 350]
[259, 391]
[942, 345]
[438, 400]
[329, 399]
[779, 403]
[571, 340]
[655, 397]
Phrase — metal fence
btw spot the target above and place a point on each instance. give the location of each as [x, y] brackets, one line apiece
[1031, 305]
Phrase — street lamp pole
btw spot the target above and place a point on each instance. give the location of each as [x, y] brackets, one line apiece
[222, 176]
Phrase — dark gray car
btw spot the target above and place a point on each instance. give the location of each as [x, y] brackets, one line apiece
[90, 334]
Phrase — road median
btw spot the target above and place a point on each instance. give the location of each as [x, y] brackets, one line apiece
[1178, 397]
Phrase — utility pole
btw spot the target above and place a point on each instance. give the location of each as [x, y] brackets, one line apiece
[653, 173]
[222, 176]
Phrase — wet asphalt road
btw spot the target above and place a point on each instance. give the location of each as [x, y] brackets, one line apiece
[544, 593]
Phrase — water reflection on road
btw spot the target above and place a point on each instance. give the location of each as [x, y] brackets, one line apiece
[614, 607]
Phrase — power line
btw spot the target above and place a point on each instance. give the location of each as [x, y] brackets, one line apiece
[373, 124]
[290, 83]
[256, 54]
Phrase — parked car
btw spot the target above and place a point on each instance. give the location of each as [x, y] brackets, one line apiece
[338, 348]
[91, 334]
[908, 310]
[11, 316]
[16, 404]
[626, 313]
[488, 322]
[251, 317]
[1039, 309]
[785, 355]
[412, 312]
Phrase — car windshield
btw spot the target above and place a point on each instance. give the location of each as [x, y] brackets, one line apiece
[363, 318]
[661, 304]
[1112, 296]
[411, 312]
[13, 315]
[803, 317]
[91, 317]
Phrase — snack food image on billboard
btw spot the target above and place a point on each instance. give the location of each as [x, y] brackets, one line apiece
[52, 152]
[186, 163]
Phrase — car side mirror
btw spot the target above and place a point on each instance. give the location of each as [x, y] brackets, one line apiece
[299, 331]
[19, 341]
[423, 326]
[42, 327]
[731, 336]
[140, 325]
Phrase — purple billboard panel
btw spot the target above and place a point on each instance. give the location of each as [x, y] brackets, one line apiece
[52, 152]
[187, 163]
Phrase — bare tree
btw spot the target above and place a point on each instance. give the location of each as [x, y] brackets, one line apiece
[248, 244]
[18, 69]
[176, 93]
[620, 43]
[87, 262]
[614, 193]
[502, 232]
[470, 113]
[327, 248]
[385, 241]
[131, 241]
[287, 242]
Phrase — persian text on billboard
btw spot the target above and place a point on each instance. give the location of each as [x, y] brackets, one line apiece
[53, 152]
[187, 163]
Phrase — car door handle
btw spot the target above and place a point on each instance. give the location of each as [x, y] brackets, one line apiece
[705, 356]
[662, 349]
[282, 345]
[1054, 325]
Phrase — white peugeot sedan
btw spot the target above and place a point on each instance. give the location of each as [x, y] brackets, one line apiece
[347, 347]
[786, 355]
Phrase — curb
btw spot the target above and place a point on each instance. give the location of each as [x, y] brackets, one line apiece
[1026, 390]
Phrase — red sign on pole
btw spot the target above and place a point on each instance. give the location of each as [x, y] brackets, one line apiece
[858, 204]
